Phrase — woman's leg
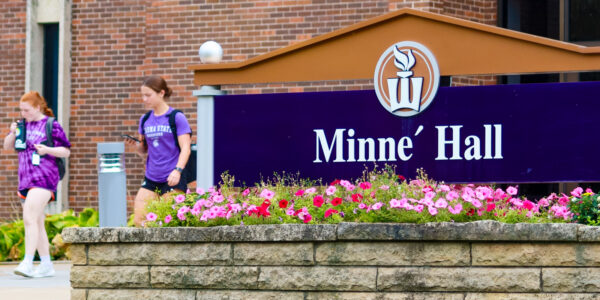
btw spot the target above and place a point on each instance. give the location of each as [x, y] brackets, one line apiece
[33, 215]
[43, 246]
[139, 205]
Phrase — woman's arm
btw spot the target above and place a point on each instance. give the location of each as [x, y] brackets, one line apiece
[185, 142]
[9, 140]
[54, 151]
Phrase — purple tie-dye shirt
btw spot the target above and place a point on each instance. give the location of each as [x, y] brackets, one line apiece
[45, 175]
[162, 150]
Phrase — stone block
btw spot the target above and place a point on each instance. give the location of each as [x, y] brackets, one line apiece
[524, 254]
[160, 254]
[382, 296]
[218, 277]
[84, 235]
[250, 295]
[78, 294]
[318, 278]
[273, 254]
[438, 279]
[77, 253]
[394, 254]
[109, 277]
[102, 294]
[471, 231]
[571, 280]
[531, 296]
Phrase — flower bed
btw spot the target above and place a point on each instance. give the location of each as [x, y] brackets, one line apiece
[379, 196]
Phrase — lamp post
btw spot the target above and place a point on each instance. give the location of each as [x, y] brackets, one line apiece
[112, 187]
[209, 52]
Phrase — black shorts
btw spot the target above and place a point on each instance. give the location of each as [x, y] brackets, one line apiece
[163, 187]
[23, 195]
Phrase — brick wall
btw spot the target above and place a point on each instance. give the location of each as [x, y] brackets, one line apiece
[12, 84]
[116, 43]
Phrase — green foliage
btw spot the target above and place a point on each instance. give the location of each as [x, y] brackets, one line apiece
[585, 209]
[12, 235]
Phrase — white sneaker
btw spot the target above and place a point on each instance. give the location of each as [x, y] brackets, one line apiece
[44, 270]
[24, 269]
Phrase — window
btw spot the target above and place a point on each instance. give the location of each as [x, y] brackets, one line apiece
[50, 66]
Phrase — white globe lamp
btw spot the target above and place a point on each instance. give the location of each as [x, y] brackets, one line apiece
[210, 52]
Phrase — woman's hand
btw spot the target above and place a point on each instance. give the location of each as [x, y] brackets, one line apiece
[13, 127]
[174, 178]
[41, 149]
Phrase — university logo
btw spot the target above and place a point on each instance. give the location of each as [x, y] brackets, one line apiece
[406, 79]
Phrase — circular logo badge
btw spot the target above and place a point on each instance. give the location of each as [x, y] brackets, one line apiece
[406, 78]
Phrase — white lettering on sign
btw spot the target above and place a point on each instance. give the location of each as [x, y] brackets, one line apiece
[347, 148]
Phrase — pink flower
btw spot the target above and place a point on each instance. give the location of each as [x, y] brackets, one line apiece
[384, 187]
[543, 202]
[395, 203]
[419, 208]
[511, 190]
[200, 191]
[310, 191]
[151, 217]
[168, 219]
[184, 209]
[456, 209]
[267, 194]
[362, 206]
[364, 185]
[451, 195]
[188, 191]
[432, 210]
[377, 206]
[444, 188]
[181, 216]
[318, 201]
[246, 192]
[476, 203]
[577, 192]
[588, 190]
[330, 190]
[299, 192]
[441, 203]
[528, 205]
[179, 198]
[329, 212]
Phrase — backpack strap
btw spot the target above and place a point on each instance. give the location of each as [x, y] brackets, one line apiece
[173, 126]
[49, 140]
[144, 119]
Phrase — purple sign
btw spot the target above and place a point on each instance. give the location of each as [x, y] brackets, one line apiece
[503, 133]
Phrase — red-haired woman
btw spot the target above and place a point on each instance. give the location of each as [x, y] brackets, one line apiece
[38, 178]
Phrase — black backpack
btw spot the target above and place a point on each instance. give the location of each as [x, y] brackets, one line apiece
[60, 161]
[189, 172]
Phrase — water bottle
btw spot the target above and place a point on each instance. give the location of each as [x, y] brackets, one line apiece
[20, 144]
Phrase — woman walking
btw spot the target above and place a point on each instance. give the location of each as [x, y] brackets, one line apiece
[167, 154]
[38, 177]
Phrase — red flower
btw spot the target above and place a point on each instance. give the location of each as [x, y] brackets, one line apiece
[528, 205]
[318, 201]
[471, 212]
[283, 203]
[336, 201]
[337, 181]
[356, 197]
[299, 193]
[330, 211]
[307, 218]
[490, 207]
[401, 177]
[266, 203]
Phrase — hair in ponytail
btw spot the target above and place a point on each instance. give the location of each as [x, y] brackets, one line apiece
[157, 84]
[36, 100]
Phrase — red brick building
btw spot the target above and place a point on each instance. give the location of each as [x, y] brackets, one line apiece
[105, 48]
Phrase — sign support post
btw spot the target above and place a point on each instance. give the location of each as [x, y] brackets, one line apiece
[205, 139]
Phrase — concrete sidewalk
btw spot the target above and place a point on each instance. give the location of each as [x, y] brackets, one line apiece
[13, 287]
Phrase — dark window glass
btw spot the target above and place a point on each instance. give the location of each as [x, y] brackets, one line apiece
[50, 78]
[584, 20]
[589, 76]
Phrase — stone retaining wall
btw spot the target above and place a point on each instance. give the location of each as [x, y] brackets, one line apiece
[479, 260]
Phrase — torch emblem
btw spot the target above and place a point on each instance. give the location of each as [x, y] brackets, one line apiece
[406, 78]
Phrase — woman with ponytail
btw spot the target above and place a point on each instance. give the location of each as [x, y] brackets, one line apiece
[38, 178]
[165, 161]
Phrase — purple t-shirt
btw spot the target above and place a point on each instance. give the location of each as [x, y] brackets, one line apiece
[45, 175]
[162, 146]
